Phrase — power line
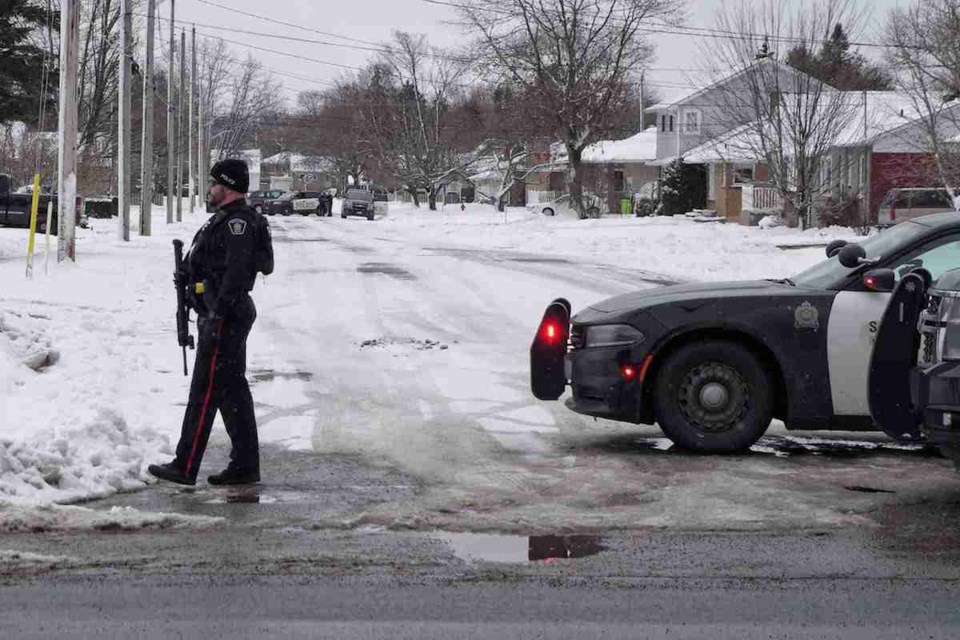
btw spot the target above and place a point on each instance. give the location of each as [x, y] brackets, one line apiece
[674, 29]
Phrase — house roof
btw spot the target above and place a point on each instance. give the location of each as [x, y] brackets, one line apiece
[877, 113]
[872, 114]
[299, 162]
[696, 89]
[641, 147]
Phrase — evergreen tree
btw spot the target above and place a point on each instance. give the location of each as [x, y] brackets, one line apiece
[21, 60]
[836, 65]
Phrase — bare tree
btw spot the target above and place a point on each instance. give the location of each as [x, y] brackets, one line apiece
[788, 120]
[575, 57]
[253, 98]
[417, 138]
[926, 59]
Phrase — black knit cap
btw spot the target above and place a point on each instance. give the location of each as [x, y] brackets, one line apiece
[232, 174]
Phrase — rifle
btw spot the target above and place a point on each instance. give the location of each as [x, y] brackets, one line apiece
[184, 339]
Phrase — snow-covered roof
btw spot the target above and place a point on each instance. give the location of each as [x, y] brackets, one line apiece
[875, 113]
[299, 162]
[739, 145]
[637, 148]
[869, 115]
[699, 86]
[253, 159]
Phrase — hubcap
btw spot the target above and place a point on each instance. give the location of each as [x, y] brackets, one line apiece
[713, 397]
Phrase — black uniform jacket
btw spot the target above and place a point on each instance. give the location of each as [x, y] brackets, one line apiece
[222, 254]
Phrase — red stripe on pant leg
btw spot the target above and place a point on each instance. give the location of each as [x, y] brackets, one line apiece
[206, 404]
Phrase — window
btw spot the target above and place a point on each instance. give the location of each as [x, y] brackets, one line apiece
[937, 259]
[712, 182]
[671, 123]
[663, 123]
[691, 122]
[930, 199]
[618, 181]
[742, 173]
[826, 174]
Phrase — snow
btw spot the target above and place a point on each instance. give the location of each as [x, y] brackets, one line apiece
[91, 380]
[638, 148]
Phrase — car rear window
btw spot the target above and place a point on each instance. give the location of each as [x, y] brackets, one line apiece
[359, 194]
[930, 199]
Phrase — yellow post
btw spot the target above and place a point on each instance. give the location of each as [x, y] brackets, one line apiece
[33, 223]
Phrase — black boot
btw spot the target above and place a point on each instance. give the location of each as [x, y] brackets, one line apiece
[235, 475]
[171, 473]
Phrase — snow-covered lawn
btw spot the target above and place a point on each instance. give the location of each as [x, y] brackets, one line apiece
[91, 383]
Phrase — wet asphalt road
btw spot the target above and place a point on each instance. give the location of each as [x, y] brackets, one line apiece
[304, 554]
[284, 562]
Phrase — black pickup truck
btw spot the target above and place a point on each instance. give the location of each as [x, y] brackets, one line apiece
[15, 208]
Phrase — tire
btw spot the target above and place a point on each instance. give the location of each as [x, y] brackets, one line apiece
[735, 379]
[593, 212]
[547, 211]
[370, 217]
[343, 215]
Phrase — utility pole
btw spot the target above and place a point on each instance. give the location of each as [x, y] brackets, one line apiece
[123, 121]
[180, 113]
[202, 160]
[67, 126]
[642, 113]
[191, 155]
[146, 149]
[171, 131]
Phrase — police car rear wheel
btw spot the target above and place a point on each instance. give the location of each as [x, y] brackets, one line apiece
[713, 397]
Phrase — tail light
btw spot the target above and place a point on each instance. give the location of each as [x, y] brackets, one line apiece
[547, 377]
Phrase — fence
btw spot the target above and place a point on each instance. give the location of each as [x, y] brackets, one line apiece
[760, 198]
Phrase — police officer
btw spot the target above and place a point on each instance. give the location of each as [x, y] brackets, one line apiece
[221, 269]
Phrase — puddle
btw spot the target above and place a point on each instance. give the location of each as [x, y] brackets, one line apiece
[246, 495]
[387, 270]
[868, 490]
[537, 260]
[266, 375]
[483, 547]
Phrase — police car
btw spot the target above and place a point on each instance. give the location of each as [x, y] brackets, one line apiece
[302, 202]
[713, 363]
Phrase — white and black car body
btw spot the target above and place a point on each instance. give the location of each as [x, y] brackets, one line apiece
[303, 202]
[713, 363]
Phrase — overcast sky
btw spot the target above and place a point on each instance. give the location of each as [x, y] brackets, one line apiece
[358, 23]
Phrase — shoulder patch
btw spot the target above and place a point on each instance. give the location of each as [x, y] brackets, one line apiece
[238, 226]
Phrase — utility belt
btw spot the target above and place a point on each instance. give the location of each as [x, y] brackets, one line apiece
[201, 296]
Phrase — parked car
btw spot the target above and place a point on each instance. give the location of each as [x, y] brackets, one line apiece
[15, 208]
[562, 206]
[358, 202]
[714, 363]
[302, 202]
[256, 198]
[908, 203]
